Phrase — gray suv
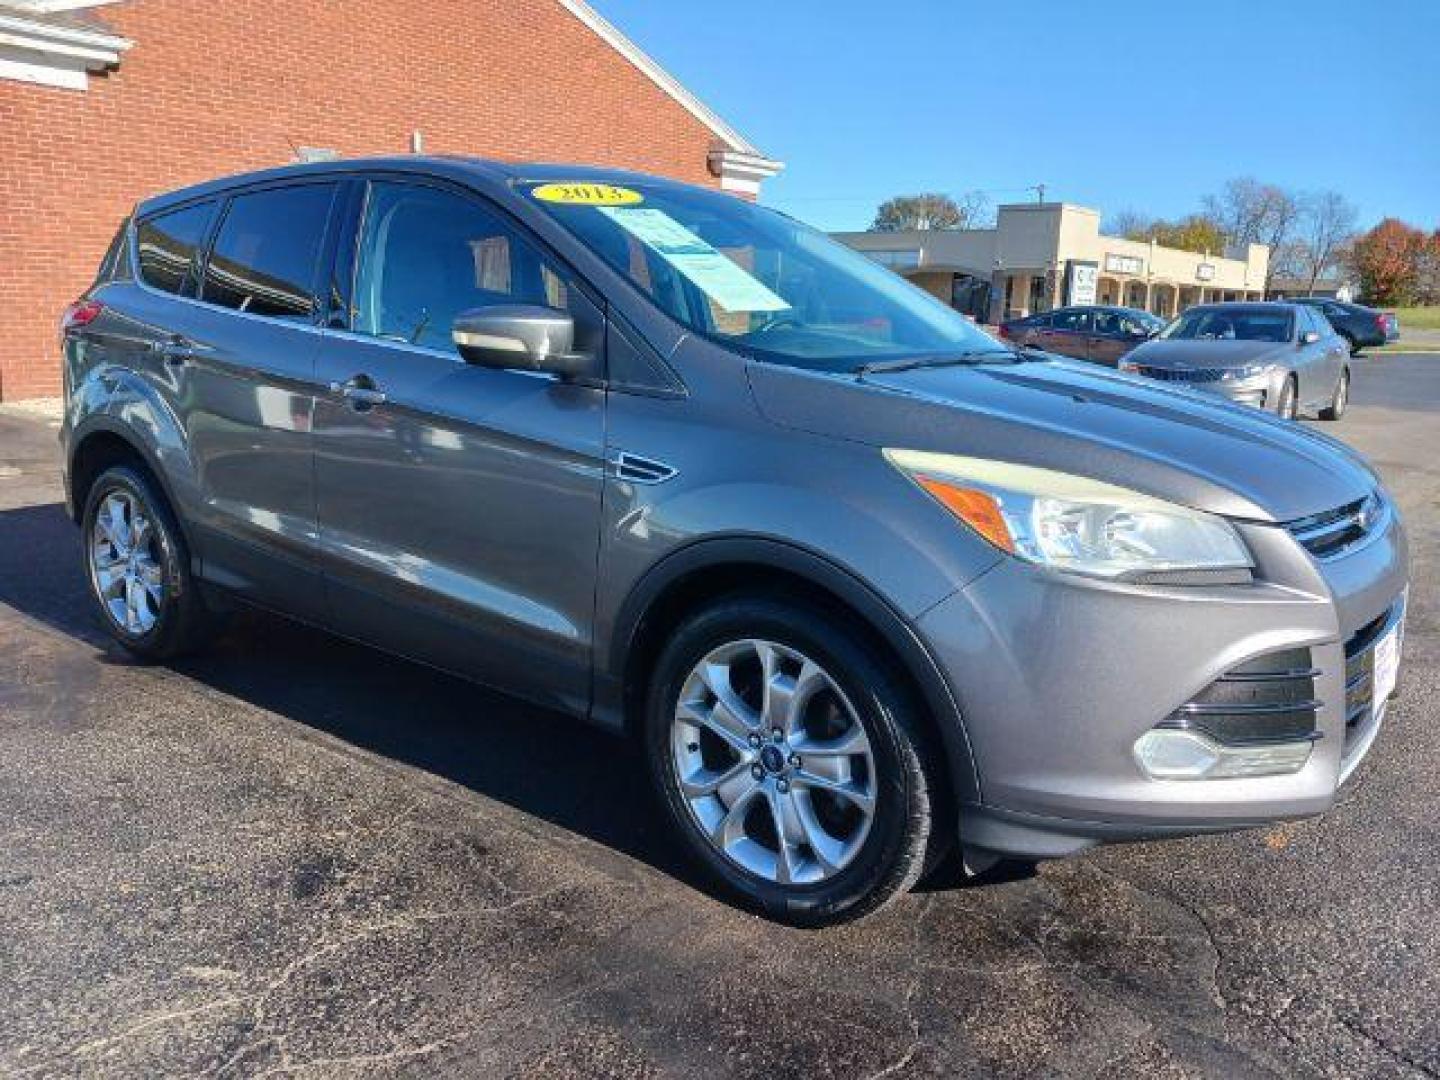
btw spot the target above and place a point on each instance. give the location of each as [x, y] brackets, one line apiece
[867, 585]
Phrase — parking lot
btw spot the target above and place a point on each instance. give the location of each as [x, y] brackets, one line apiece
[295, 855]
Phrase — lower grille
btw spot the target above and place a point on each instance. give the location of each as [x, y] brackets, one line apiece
[1268, 699]
[1361, 709]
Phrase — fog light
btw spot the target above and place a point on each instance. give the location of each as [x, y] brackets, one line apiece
[1171, 754]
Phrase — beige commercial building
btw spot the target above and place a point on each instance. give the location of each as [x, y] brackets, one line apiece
[1046, 255]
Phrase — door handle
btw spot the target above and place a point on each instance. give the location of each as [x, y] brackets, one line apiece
[360, 391]
[175, 351]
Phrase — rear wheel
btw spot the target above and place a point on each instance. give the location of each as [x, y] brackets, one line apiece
[1287, 405]
[791, 761]
[1341, 399]
[138, 567]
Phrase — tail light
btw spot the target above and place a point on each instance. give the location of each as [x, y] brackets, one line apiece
[1005, 332]
[1382, 321]
[81, 313]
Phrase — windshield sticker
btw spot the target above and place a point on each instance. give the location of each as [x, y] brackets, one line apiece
[718, 277]
[587, 195]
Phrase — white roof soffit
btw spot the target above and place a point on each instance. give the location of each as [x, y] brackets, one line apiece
[662, 78]
[95, 47]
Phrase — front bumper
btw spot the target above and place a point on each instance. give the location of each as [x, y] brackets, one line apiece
[1057, 677]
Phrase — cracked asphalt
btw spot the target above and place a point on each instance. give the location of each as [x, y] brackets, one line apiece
[293, 855]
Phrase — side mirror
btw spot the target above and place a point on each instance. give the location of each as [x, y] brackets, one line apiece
[1309, 337]
[520, 337]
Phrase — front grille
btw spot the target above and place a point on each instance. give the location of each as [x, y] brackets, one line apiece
[1265, 700]
[1182, 374]
[1336, 531]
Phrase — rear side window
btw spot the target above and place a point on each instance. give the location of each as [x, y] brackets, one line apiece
[1075, 321]
[167, 244]
[265, 254]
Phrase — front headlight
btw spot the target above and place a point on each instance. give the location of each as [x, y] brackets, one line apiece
[1071, 522]
[1249, 371]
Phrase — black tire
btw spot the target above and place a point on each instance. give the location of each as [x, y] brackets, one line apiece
[182, 622]
[1340, 400]
[904, 839]
[1287, 405]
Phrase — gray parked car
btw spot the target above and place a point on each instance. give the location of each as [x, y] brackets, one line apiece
[861, 581]
[1283, 357]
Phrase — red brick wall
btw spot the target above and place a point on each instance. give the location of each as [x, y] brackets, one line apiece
[211, 89]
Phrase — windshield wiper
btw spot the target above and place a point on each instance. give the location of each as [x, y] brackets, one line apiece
[911, 363]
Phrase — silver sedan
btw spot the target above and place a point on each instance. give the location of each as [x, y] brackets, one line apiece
[1282, 357]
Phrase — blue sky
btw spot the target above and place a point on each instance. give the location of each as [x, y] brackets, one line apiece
[1123, 103]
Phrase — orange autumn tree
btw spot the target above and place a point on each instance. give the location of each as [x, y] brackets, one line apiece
[1387, 262]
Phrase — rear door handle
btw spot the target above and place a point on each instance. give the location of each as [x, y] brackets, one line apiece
[360, 391]
[175, 351]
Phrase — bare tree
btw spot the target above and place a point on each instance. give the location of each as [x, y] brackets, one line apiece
[1328, 227]
[1241, 210]
[1131, 224]
[932, 210]
[976, 211]
[1250, 212]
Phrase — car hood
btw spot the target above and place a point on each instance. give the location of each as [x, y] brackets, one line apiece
[1190, 448]
[1172, 353]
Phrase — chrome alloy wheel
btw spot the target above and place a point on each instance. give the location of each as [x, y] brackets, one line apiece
[126, 567]
[773, 762]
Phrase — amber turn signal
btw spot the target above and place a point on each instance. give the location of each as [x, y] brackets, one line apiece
[978, 509]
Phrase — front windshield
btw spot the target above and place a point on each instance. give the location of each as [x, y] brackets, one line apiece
[1231, 324]
[758, 281]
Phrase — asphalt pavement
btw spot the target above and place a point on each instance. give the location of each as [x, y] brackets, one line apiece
[294, 855]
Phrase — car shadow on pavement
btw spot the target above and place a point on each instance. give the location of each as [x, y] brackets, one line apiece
[547, 765]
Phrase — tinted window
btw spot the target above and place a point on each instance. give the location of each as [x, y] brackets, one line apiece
[112, 266]
[167, 245]
[264, 256]
[427, 255]
[1074, 321]
[1123, 324]
[1232, 324]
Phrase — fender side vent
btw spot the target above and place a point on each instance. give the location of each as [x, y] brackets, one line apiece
[635, 469]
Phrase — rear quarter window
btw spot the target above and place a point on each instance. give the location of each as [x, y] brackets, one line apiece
[115, 265]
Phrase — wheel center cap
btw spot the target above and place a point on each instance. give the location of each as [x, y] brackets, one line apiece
[773, 759]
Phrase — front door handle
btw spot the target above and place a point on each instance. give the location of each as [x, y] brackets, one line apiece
[360, 391]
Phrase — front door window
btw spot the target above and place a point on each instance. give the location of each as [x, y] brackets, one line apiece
[426, 255]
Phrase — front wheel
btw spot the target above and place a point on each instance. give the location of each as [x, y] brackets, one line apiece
[1287, 405]
[791, 761]
[1341, 399]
